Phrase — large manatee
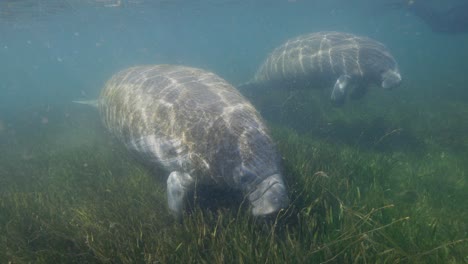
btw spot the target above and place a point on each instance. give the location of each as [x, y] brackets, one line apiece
[198, 128]
[334, 59]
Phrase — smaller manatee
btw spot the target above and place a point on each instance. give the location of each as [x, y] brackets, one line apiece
[331, 59]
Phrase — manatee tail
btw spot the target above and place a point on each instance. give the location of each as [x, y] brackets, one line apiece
[93, 103]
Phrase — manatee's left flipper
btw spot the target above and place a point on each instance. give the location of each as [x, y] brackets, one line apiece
[178, 184]
[339, 90]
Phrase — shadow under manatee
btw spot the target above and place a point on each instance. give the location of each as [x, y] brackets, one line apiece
[311, 113]
[215, 198]
[377, 134]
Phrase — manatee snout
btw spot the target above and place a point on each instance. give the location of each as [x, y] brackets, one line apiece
[391, 79]
[269, 196]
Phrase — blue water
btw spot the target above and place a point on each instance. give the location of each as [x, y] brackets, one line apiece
[52, 54]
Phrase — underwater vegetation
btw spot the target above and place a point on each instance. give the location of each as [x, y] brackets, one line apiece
[368, 184]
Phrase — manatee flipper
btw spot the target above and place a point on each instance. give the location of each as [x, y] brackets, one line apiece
[178, 184]
[339, 90]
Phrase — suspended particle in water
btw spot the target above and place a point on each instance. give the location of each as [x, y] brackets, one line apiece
[116, 3]
[44, 120]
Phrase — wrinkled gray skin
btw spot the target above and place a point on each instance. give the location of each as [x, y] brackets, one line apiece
[199, 128]
[330, 59]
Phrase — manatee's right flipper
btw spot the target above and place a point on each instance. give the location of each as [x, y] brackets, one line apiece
[338, 94]
[178, 184]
